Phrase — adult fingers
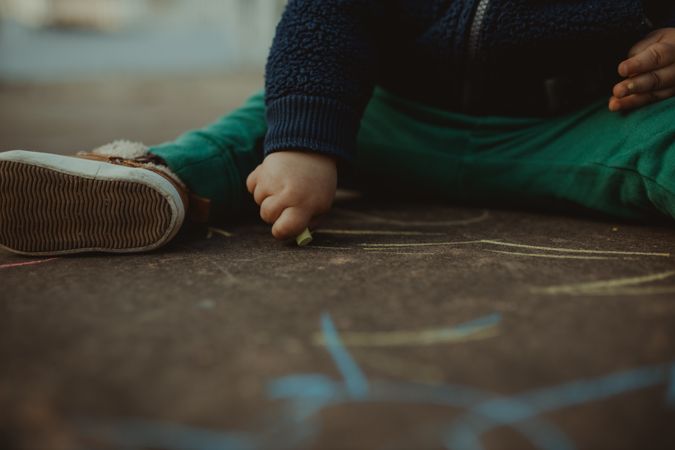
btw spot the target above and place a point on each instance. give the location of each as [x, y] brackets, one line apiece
[638, 100]
[655, 56]
[291, 222]
[651, 38]
[271, 208]
[656, 80]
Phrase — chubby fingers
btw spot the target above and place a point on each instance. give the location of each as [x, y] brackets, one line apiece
[271, 208]
[287, 221]
[252, 180]
[260, 191]
[291, 222]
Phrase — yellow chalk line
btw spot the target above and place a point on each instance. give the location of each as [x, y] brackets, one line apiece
[509, 244]
[604, 285]
[377, 233]
[411, 338]
[544, 255]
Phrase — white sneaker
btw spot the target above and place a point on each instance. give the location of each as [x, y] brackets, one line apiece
[55, 205]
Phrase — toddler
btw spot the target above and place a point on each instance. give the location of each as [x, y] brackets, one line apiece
[490, 101]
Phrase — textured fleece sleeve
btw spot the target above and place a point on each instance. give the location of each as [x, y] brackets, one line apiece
[319, 76]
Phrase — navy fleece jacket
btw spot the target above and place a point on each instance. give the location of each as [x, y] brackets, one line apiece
[459, 55]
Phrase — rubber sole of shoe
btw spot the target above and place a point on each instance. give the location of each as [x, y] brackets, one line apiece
[45, 211]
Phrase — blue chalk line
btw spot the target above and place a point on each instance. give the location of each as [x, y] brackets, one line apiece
[508, 411]
[670, 396]
[483, 322]
[355, 380]
[308, 394]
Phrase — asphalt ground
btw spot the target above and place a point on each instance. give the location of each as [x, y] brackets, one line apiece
[405, 325]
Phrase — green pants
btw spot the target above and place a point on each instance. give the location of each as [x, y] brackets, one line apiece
[622, 165]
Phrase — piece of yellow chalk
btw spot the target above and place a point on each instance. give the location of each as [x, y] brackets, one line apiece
[304, 238]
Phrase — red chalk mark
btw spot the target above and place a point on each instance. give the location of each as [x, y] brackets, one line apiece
[29, 263]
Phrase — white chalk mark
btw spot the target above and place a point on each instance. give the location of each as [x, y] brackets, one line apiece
[511, 244]
[330, 248]
[574, 250]
[389, 252]
[412, 223]
[24, 264]
[230, 277]
[266, 256]
[372, 247]
[544, 255]
[377, 233]
[630, 291]
[595, 287]
[218, 231]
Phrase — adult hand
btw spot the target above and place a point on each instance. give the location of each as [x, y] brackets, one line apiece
[649, 72]
[292, 188]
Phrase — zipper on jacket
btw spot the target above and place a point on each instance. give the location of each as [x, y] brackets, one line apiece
[477, 26]
[473, 42]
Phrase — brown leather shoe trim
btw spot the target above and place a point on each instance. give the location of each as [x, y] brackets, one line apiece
[200, 209]
[182, 191]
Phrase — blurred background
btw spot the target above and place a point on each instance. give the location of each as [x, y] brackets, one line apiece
[56, 40]
[75, 74]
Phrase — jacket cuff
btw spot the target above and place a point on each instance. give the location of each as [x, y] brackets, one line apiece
[316, 124]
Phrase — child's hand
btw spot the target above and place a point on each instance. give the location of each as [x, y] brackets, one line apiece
[650, 72]
[292, 188]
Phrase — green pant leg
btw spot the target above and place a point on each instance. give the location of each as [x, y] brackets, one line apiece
[215, 161]
[622, 165]
[405, 147]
